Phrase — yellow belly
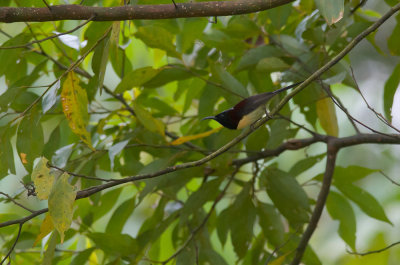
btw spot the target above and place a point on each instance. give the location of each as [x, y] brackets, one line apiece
[251, 117]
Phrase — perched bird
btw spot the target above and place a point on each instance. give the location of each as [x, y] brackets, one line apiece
[247, 111]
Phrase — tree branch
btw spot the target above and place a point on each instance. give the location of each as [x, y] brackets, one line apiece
[319, 206]
[192, 9]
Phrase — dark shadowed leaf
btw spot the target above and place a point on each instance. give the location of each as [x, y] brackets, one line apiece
[288, 196]
[30, 139]
[271, 223]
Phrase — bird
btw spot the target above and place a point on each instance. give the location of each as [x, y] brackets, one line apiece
[247, 111]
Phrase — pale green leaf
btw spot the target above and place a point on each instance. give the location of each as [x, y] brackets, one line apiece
[147, 120]
[331, 10]
[340, 209]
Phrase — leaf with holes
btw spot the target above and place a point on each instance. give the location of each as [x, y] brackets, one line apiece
[42, 179]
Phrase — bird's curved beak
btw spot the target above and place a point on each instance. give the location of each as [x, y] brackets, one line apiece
[209, 118]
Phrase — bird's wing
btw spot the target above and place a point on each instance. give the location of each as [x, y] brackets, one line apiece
[250, 104]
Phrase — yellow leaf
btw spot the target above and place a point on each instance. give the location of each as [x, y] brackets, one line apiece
[149, 122]
[23, 158]
[327, 116]
[74, 102]
[61, 202]
[45, 229]
[187, 138]
[42, 179]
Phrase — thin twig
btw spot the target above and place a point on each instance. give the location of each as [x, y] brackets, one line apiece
[378, 115]
[45, 2]
[79, 175]
[13, 246]
[319, 206]
[197, 229]
[48, 38]
[360, 4]
[374, 251]
[390, 179]
[16, 203]
[71, 68]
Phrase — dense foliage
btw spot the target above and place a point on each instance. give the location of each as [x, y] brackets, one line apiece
[106, 101]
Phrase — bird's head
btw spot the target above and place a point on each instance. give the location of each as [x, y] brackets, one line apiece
[225, 118]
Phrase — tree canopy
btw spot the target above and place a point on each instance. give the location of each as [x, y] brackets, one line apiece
[104, 158]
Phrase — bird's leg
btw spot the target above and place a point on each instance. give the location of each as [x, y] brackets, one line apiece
[269, 116]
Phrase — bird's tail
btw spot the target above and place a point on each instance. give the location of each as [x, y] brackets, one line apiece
[286, 88]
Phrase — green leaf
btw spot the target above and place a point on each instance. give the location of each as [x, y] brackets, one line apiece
[157, 37]
[364, 200]
[82, 257]
[147, 120]
[288, 196]
[279, 131]
[51, 248]
[10, 56]
[6, 152]
[271, 223]
[50, 98]
[279, 15]
[30, 139]
[42, 179]
[137, 78]
[100, 60]
[394, 41]
[169, 74]
[272, 64]
[242, 27]
[207, 192]
[327, 116]
[120, 216]
[244, 213]
[340, 209]
[351, 174]
[229, 82]
[75, 103]
[115, 244]
[192, 30]
[389, 90]
[332, 11]
[106, 203]
[305, 164]
[61, 203]
[258, 139]
[253, 56]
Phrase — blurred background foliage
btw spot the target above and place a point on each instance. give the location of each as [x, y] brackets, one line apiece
[170, 74]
